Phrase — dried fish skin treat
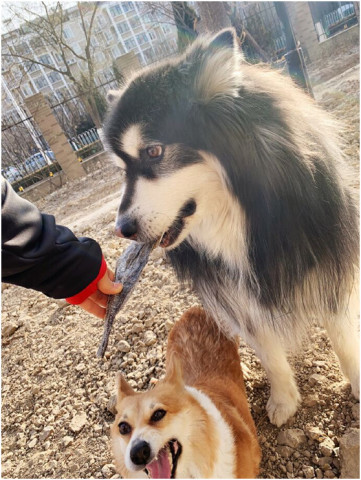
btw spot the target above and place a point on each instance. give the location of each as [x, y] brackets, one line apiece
[127, 271]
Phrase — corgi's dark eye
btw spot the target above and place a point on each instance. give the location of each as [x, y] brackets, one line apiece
[124, 428]
[158, 415]
[154, 151]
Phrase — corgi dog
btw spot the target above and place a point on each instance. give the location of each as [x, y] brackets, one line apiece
[195, 423]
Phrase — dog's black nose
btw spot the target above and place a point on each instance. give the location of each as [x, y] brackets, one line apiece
[140, 453]
[127, 228]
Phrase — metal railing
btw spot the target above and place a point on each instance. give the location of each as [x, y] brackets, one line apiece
[338, 20]
[84, 139]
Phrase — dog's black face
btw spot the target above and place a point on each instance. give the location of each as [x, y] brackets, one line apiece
[155, 129]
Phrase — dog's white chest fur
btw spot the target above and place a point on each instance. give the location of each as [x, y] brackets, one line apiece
[224, 463]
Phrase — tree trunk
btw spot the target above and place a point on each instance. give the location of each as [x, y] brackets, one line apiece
[213, 17]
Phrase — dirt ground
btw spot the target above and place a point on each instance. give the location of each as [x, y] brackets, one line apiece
[55, 392]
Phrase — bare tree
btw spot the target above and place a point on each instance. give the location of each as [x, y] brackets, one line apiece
[214, 16]
[47, 28]
[179, 14]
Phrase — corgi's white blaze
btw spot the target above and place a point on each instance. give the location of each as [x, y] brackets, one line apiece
[225, 461]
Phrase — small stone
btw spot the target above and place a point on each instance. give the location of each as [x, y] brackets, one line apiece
[289, 467]
[123, 346]
[81, 367]
[317, 379]
[33, 442]
[315, 433]
[308, 472]
[78, 422]
[8, 330]
[149, 338]
[356, 411]
[292, 437]
[169, 325]
[66, 441]
[327, 447]
[112, 403]
[319, 473]
[108, 470]
[350, 454]
[284, 451]
[325, 462]
[329, 474]
[46, 433]
[310, 401]
[137, 327]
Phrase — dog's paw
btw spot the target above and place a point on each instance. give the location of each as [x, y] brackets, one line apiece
[281, 409]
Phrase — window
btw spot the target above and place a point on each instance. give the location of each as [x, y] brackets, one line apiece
[127, 6]
[152, 35]
[67, 33]
[26, 90]
[101, 21]
[54, 77]
[40, 82]
[36, 43]
[108, 35]
[31, 67]
[46, 59]
[115, 10]
[99, 57]
[130, 43]
[142, 38]
[166, 29]
[123, 27]
[148, 55]
[116, 52]
[58, 57]
[134, 22]
[77, 49]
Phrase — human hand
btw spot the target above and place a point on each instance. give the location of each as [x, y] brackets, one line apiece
[97, 302]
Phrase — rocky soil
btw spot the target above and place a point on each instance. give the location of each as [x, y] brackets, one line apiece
[55, 392]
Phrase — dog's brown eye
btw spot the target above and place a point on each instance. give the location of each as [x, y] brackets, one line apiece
[124, 428]
[158, 415]
[154, 151]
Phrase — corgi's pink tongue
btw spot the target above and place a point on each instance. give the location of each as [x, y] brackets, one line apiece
[160, 468]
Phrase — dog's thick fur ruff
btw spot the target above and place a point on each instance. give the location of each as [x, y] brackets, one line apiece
[271, 244]
[204, 396]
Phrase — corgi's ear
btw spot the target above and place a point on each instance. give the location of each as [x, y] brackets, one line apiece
[218, 66]
[174, 372]
[123, 388]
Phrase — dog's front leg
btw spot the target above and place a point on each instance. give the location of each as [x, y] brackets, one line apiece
[285, 397]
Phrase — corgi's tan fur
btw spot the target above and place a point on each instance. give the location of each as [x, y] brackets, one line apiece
[207, 413]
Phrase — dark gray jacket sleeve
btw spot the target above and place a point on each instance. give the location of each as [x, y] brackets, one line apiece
[41, 255]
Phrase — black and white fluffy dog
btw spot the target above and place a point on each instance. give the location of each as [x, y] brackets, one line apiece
[241, 177]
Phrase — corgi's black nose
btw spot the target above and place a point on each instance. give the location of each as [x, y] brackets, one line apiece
[140, 453]
[127, 228]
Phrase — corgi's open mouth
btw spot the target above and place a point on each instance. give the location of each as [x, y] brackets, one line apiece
[165, 464]
[171, 235]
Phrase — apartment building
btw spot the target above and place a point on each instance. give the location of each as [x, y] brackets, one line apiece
[119, 28]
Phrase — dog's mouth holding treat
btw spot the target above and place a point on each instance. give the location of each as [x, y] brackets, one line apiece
[165, 463]
[171, 235]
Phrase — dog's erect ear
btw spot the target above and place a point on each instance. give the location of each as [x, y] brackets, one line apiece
[174, 373]
[123, 388]
[113, 96]
[223, 39]
[219, 71]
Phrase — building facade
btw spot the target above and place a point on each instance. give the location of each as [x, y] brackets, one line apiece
[119, 28]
